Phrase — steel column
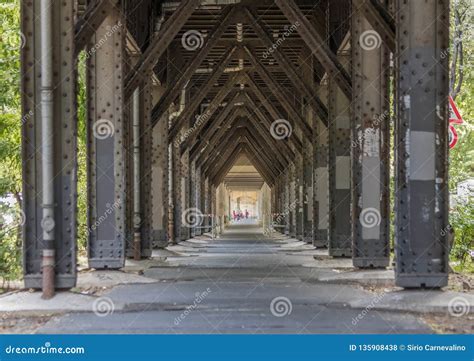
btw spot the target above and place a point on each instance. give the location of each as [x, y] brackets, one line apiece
[340, 244]
[370, 147]
[421, 198]
[106, 176]
[64, 146]
[146, 169]
[160, 182]
[185, 192]
[320, 182]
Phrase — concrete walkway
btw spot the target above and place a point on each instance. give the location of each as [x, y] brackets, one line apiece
[243, 282]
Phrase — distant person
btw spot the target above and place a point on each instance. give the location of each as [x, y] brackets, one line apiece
[246, 214]
[234, 216]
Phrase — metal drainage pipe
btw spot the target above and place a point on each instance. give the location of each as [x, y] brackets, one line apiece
[47, 145]
[137, 241]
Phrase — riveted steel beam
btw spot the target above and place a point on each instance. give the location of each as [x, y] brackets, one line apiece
[340, 238]
[203, 119]
[317, 45]
[63, 227]
[286, 64]
[196, 101]
[106, 131]
[218, 138]
[172, 92]
[263, 137]
[272, 142]
[279, 93]
[370, 148]
[261, 167]
[220, 156]
[220, 171]
[266, 124]
[89, 22]
[217, 127]
[161, 42]
[421, 168]
[236, 137]
[379, 18]
[294, 139]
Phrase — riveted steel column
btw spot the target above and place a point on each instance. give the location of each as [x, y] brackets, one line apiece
[160, 180]
[146, 170]
[421, 199]
[64, 146]
[199, 196]
[106, 178]
[185, 190]
[307, 197]
[286, 201]
[320, 178]
[202, 197]
[340, 244]
[207, 203]
[293, 199]
[176, 195]
[213, 205]
[299, 194]
[370, 145]
[127, 144]
[192, 192]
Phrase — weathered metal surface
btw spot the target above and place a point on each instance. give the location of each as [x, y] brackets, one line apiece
[370, 146]
[421, 186]
[65, 161]
[340, 238]
[317, 44]
[106, 167]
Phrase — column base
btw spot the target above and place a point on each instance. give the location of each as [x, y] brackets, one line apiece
[421, 280]
[382, 262]
[340, 252]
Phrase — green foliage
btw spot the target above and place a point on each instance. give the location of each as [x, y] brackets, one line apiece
[10, 248]
[82, 204]
[462, 156]
[462, 221]
[10, 139]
